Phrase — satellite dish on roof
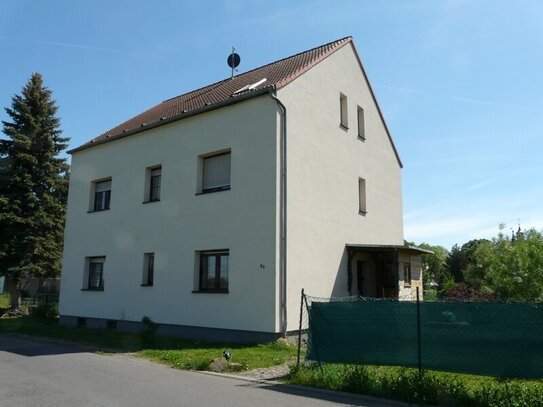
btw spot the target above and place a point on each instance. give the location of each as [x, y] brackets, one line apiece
[233, 60]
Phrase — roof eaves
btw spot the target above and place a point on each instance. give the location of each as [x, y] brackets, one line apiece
[232, 100]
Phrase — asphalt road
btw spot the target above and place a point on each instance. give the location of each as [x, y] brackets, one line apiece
[40, 374]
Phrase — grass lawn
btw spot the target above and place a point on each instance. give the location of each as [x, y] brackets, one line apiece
[177, 353]
[4, 301]
[434, 388]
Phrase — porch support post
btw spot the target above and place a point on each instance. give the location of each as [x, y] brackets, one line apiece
[350, 254]
[397, 272]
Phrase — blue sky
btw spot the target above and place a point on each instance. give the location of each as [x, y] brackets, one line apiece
[460, 83]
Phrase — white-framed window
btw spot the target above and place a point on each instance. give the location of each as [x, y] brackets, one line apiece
[214, 269]
[153, 182]
[361, 123]
[215, 172]
[344, 117]
[362, 208]
[94, 275]
[148, 269]
[101, 195]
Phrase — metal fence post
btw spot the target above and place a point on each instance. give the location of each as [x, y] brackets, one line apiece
[419, 351]
[300, 329]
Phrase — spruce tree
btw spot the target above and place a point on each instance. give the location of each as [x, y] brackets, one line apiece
[33, 188]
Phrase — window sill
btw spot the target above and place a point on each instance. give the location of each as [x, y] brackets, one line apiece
[363, 213]
[342, 126]
[209, 191]
[98, 210]
[361, 138]
[210, 292]
[146, 285]
[92, 289]
[146, 202]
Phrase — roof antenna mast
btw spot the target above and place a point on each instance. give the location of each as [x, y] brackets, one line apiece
[233, 61]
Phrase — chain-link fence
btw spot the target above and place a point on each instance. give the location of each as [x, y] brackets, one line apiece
[488, 338]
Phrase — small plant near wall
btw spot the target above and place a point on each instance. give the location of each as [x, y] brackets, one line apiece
[149, 331]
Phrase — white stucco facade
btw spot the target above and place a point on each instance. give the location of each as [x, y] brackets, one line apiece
[325, 162]
[242, 220]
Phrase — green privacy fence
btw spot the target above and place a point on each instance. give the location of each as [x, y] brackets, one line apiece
[496, 339]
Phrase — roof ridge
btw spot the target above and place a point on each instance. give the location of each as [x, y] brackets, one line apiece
[307, 51]
[214, 84]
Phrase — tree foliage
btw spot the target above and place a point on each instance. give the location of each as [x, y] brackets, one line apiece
[504, 268]
[434, 265]
[514, 266]
[33, 187]
[462, 259]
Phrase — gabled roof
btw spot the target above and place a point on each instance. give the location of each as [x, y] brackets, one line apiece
[277, 74]
[232, 90]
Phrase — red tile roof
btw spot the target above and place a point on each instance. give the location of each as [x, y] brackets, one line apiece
[278, 74]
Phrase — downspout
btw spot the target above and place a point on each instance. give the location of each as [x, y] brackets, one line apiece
[283, 216]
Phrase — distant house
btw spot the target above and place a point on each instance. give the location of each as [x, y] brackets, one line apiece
[211, 211]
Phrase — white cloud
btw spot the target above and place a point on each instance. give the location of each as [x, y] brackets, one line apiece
[61, 44]
[460, 98]
[479, 185]
[429, 229]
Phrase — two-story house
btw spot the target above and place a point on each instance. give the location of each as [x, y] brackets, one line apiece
[211, 211]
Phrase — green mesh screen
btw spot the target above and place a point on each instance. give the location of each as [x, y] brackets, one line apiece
[497, 339]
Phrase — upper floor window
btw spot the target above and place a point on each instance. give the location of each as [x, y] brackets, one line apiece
[102, 195]
[344, 118]
[216, 172]
[362, 209]
[361, 124]
[214, 271]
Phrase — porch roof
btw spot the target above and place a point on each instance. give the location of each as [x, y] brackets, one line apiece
[384, 247]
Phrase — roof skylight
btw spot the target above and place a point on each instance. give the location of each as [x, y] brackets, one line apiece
[251, 86]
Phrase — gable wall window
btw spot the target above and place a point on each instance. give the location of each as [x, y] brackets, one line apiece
[148, 269]
[95, 273]
[361, 124]
[215, 172]
[214, 268]
[362, 209]
[344, 117]
[101, 194]
[153, 183]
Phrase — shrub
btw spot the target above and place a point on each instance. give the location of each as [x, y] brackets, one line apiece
[45, 311]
